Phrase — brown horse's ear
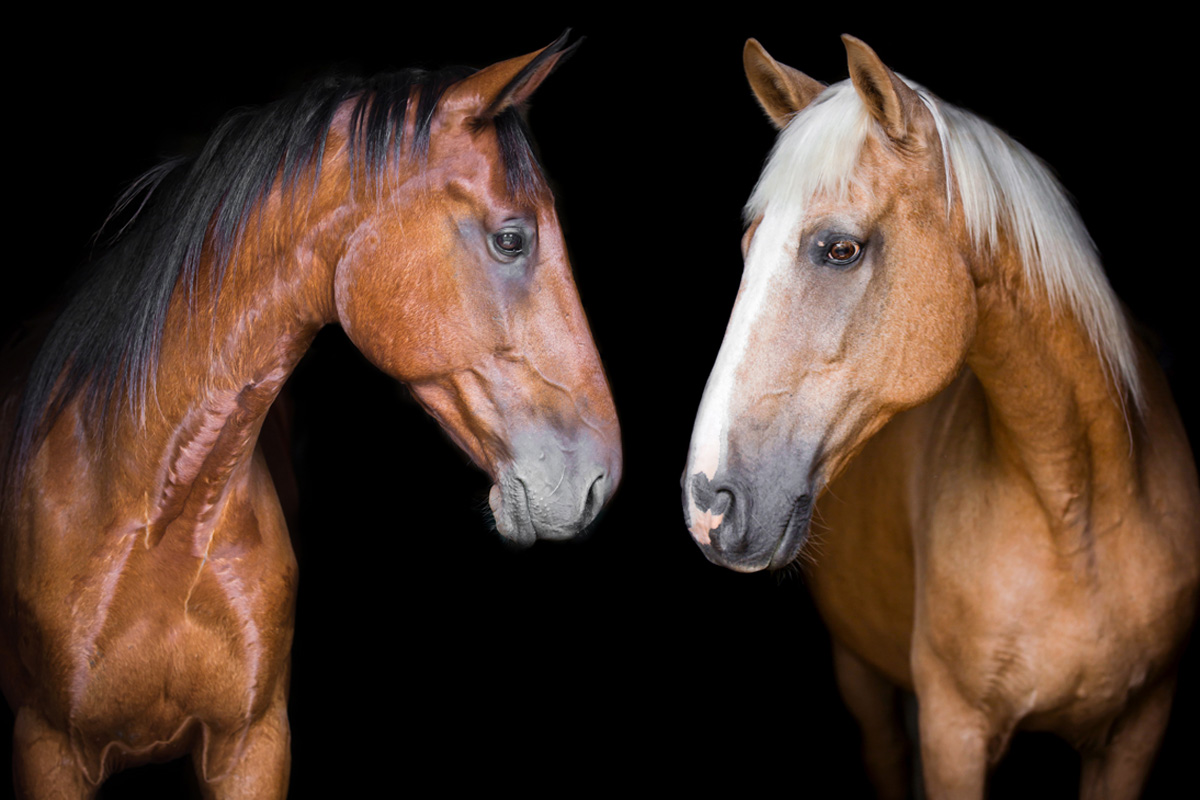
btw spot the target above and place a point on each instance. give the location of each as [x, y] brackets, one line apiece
[779, 89]
[507, 84]
[888, 99]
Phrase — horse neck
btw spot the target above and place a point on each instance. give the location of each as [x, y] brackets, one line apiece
[1054, 414]
[226, 352]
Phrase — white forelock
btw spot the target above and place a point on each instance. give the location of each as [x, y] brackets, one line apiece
[1001, 185]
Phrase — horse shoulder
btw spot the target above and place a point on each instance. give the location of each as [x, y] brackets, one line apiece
[1059, 636]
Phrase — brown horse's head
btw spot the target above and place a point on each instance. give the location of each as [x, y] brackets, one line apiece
[457, 283]
[855, 303]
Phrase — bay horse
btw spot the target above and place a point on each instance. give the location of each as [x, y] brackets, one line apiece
[147, 587]
[926, 364]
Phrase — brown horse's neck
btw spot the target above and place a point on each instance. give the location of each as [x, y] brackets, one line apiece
[225, 356]
[1055, 415]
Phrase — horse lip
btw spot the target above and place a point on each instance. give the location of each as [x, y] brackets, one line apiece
[795, 533]
[511, 524]
[735, 565]
[524, 491]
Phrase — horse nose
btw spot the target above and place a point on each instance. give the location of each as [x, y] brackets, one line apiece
[731, 507]
[555, 491]
[601, 481]
[719, 516]
[555, 518]
[598, 494]
[749, 521]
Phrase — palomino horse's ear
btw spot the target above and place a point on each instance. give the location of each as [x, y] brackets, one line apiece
[509, 83]
[779, 89]
[889, 100]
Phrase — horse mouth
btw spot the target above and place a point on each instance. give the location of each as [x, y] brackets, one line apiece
[527, 508]
[795, 533]
[510, 509]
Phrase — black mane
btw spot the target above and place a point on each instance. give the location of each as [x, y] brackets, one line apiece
[106, 341]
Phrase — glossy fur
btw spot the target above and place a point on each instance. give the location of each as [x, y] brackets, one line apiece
[147, 581]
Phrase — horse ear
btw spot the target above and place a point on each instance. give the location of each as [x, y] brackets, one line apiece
[889, 100]
[779, 89]
[507, 84]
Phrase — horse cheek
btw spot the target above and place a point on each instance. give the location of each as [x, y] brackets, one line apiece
[378, 296]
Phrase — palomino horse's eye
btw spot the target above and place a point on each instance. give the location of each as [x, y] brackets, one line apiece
[833, 248]
[843, 252]
[509, 243]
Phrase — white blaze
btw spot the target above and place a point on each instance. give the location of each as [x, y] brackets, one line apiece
[769, 253]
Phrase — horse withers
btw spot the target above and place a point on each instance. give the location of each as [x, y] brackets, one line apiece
[147, 581]
[925, 361]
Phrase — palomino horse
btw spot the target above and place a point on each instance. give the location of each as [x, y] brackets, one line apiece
[1011, 522]
[148, 582]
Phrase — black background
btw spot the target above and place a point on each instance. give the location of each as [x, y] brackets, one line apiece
[426, 651]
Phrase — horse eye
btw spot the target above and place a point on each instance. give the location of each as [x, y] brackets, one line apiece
[843, 252]
[510, 243]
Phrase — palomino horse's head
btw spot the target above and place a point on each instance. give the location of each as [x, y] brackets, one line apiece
[457, 283]
[855, 303]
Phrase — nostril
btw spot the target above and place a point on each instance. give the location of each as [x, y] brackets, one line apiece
[723, 502]
[732, 506]
[596, 496]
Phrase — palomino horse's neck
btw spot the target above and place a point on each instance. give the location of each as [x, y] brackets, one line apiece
[226, 352]
[1054, 412]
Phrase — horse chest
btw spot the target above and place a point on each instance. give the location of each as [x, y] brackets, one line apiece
[1058, 641]
[156, 639]
[169, 657]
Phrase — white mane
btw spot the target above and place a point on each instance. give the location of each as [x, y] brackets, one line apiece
[1001, 185]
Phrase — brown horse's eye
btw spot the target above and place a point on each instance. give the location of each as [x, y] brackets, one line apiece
[510, 243]
[843, 252]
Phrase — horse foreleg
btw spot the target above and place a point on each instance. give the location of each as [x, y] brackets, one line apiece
[873, 702]
[262, 768]
[954, 755]
[1118, 769]
[44, 765]
[958, 741]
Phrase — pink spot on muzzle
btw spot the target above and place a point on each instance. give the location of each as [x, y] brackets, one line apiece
[706, 522]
